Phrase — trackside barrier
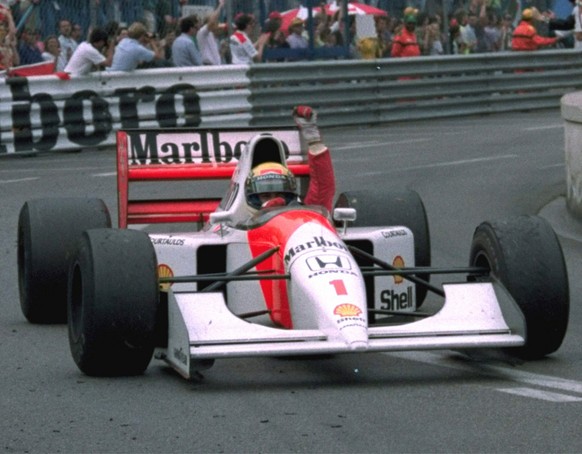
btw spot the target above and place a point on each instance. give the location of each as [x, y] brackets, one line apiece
[571, 108]
[356, 92]
[45, 113]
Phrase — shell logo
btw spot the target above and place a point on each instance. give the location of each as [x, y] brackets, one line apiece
[347, 310]
[165, 271]
[398, 262]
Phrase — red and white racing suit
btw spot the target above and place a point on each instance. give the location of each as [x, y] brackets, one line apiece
[321, 189]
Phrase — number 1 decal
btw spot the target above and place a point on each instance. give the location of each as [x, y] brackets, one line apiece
[340, 287]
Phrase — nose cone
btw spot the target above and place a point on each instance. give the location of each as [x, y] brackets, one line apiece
[356, 337]
[358, 346]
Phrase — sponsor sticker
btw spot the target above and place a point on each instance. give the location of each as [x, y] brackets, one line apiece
[398, 262]
[165, 271]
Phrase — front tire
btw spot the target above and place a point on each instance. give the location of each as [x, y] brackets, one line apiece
[113, 302]
[525, 255]
[48, 231]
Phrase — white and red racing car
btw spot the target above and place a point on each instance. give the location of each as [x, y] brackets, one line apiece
[291, 280]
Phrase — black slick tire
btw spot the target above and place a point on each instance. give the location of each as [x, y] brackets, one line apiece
[113, 302]
[48, 231]
[525, 255]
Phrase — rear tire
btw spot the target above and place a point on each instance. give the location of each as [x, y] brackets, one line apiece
[524, 253]
[403, 207]
[48, 231]
[113, 302]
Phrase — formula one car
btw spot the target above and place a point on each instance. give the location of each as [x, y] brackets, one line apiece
[286, 281]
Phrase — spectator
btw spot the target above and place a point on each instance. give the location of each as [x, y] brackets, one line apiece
[296, 39]
[278, 40]
[132, 51]
[121, 33]
[455, 41]
[28, 51]
[506, 33]
[243, 51]
[9, 56]
[525, 36]
[492, 33]
[432, 39]
[384, 36]
[89, 54]
[167, 42]
[184, 50]
[572, 23]
[207, 37]
[274, 22]
[566, 24]
[77, 33]
[68, 44]
[52, 52]
[405, 43]
[468, 34]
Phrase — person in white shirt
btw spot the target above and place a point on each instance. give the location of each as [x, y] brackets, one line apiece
[89, 54]
[52, 52]
[206, 37]
[242, 49]
[68, 44]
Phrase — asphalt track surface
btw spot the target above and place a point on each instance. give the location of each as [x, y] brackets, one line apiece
[466, 170]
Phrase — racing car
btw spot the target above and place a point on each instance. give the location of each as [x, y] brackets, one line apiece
[192, 280]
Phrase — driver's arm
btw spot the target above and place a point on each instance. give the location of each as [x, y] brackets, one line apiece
[321, 189]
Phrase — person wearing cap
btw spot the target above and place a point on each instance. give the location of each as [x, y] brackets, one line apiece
[207, 37]
[405, 43]
[243, 51]
[525, 36]
[296, 39]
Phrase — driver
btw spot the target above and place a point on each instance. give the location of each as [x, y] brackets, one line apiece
[271, 184]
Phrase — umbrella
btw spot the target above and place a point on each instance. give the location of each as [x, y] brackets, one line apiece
[300, 13]
[354, 8]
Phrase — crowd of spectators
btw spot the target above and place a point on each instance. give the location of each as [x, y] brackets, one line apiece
[158, 38]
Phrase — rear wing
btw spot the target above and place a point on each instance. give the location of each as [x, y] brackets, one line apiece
[154, 155]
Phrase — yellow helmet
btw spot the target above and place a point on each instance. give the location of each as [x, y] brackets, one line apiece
[527, 14]
[270, 177]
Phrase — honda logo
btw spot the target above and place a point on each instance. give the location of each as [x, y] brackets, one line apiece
[322, 262]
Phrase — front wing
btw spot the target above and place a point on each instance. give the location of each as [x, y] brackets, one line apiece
[474, 315]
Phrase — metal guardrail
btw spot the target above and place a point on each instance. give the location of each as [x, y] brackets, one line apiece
[351, 92]
[46, 113]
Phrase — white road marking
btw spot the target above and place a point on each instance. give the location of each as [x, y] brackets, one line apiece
[19, 180]
[378, 144]
[106, 174]
[511, 374]
[540, 128]
[538, 394]
[443, 164]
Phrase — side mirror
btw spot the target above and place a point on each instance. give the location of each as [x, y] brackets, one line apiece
[344, 215]
[220, 217]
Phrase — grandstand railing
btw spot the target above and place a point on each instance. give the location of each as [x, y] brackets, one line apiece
[46, 113]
